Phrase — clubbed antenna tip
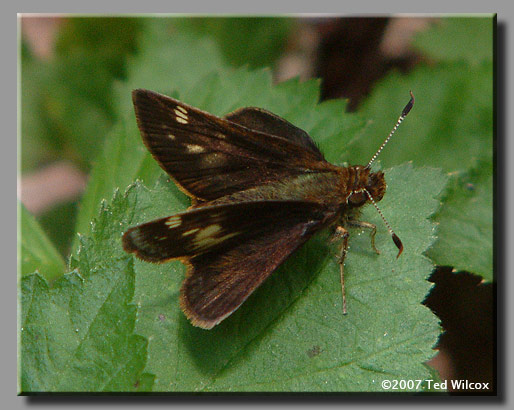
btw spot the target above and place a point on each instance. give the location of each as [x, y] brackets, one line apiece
[409, 105]
[405, 111]
[398, 244]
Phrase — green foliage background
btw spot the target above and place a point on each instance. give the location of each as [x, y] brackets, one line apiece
[102, 321]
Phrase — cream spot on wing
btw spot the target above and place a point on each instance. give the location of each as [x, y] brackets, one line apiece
[220, 135]
[194, 149]
[181, 109]
[207, 237]
[181, 114]
[209, 231]
[173, 221]
[171, 136]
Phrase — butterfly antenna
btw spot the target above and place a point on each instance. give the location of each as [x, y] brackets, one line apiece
[395, 237]
[405, 111]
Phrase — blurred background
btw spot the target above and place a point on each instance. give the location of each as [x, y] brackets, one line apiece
[71, 67]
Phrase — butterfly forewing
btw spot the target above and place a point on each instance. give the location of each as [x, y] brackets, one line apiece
[210, 157]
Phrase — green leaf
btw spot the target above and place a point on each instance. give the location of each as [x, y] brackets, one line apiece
[78, 335]
[466, 225]
[293, 323]
[37, 252]
[122, 160]
[107, 41]
[58, 222]
[459, 38]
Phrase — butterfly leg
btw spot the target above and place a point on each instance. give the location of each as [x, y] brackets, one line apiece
[366, 225]
[342, 233]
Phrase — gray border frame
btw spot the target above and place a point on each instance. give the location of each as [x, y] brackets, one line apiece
[504, 191]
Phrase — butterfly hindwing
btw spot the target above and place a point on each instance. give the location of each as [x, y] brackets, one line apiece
[210, 157]
[264, 121]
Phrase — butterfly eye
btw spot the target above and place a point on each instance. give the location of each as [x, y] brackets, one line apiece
[357, 198]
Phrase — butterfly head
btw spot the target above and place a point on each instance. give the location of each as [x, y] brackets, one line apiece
[370, 186]
[366, 184]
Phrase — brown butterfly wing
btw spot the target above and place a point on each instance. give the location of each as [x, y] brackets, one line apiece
[264, 121]
[210, 157]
